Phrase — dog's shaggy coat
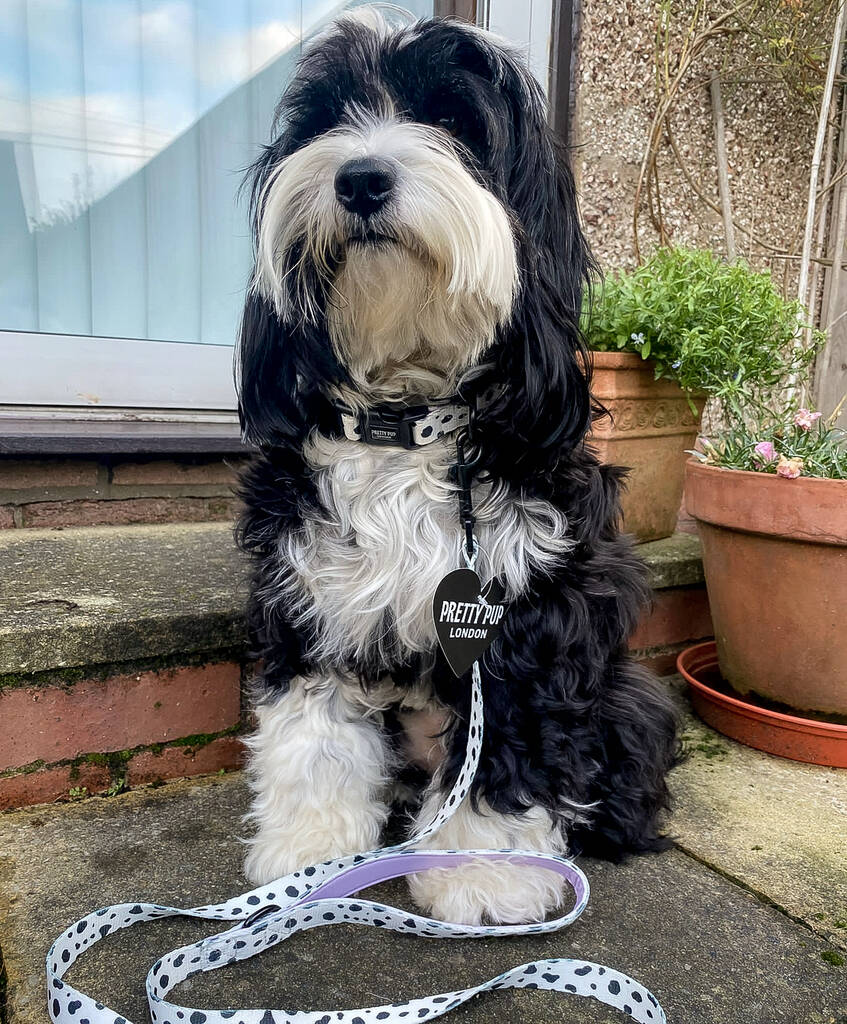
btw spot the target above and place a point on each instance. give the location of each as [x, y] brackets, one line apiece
[417, 235]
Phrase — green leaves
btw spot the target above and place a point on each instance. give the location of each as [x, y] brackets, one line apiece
[717, 328]
[726, 331]
[821, 451]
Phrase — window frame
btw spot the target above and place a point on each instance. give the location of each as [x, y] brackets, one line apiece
[149, 395]
[465, 9]
[85, 371]
[78, 394]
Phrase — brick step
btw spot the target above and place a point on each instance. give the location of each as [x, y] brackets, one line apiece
[122, 654]
[679, 615]
[115, 490]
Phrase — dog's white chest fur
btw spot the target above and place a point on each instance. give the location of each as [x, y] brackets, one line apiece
[362, 573]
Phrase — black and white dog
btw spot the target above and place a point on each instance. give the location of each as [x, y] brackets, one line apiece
[416, 240]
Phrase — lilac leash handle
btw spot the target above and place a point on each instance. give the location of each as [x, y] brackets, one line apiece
[320, 895]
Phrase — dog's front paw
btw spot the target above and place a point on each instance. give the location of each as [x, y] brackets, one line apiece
[272, 856]
[487, 893]
[274, 853]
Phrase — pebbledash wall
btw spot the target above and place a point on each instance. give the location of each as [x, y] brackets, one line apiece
[769, 137]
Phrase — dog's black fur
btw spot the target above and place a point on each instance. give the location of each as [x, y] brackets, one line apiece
[568, 716]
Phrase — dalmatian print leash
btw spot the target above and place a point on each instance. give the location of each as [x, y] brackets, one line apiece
[320, 895]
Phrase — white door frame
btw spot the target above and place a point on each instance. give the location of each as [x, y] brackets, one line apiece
[528, 25]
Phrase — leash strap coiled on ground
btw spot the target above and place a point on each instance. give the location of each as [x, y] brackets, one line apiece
[320, 895]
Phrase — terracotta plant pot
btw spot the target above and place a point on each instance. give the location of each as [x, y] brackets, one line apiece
[652, 426]
[775, 559]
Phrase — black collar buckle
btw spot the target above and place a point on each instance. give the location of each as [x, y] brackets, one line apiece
[391, 425]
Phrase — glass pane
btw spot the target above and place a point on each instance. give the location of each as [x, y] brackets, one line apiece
[124, 129]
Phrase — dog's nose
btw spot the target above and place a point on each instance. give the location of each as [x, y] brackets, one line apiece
[364, 184]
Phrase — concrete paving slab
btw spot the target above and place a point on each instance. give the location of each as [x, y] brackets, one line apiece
[710, 950]
[777, 826]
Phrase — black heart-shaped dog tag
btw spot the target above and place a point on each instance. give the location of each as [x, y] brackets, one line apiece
[467, 617]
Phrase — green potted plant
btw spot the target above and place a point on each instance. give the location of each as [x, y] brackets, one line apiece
[629, 321]
[768, 487]
[680, 327]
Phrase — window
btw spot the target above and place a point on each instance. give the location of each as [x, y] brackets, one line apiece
[125, 126]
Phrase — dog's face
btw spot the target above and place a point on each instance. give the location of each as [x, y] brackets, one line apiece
[386, 210]
[412, 218]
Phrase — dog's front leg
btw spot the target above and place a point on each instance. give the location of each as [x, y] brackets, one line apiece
[318, 771]
[496, 892]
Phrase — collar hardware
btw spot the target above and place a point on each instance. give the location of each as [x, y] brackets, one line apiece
[404, 426]
[396, 425]
[391, 425]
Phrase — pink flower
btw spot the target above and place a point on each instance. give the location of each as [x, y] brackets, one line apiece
[764, 453]
[789, 468]
[805, 420]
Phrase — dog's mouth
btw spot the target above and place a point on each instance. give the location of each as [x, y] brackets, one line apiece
[371, 238]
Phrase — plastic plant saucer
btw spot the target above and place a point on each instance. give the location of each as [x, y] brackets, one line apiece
[801, 739]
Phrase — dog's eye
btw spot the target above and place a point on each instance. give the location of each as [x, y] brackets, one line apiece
[450, 124]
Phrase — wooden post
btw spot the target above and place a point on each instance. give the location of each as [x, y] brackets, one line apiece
[560, 92]
[827, 212]
[723, 172]
[835, 56]
[831, 362]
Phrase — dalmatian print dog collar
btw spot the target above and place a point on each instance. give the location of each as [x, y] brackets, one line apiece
[321, 895]
[397, 425]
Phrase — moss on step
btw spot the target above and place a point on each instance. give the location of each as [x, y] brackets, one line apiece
[202, 739]
[26, 769]
[116, 761]
[68, 677]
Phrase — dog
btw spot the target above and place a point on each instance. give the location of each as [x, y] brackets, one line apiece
[417, 243]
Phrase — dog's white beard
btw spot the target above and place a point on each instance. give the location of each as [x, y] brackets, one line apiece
[404, 315]
[397, 328]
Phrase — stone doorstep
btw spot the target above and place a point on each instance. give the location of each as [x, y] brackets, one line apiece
[674, 561]
[738, 925]
[106, 595]
[82, 716]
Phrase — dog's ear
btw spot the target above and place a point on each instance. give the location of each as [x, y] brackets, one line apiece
[541, 354]
[260, 375]
[279, 364]
[278, 367]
